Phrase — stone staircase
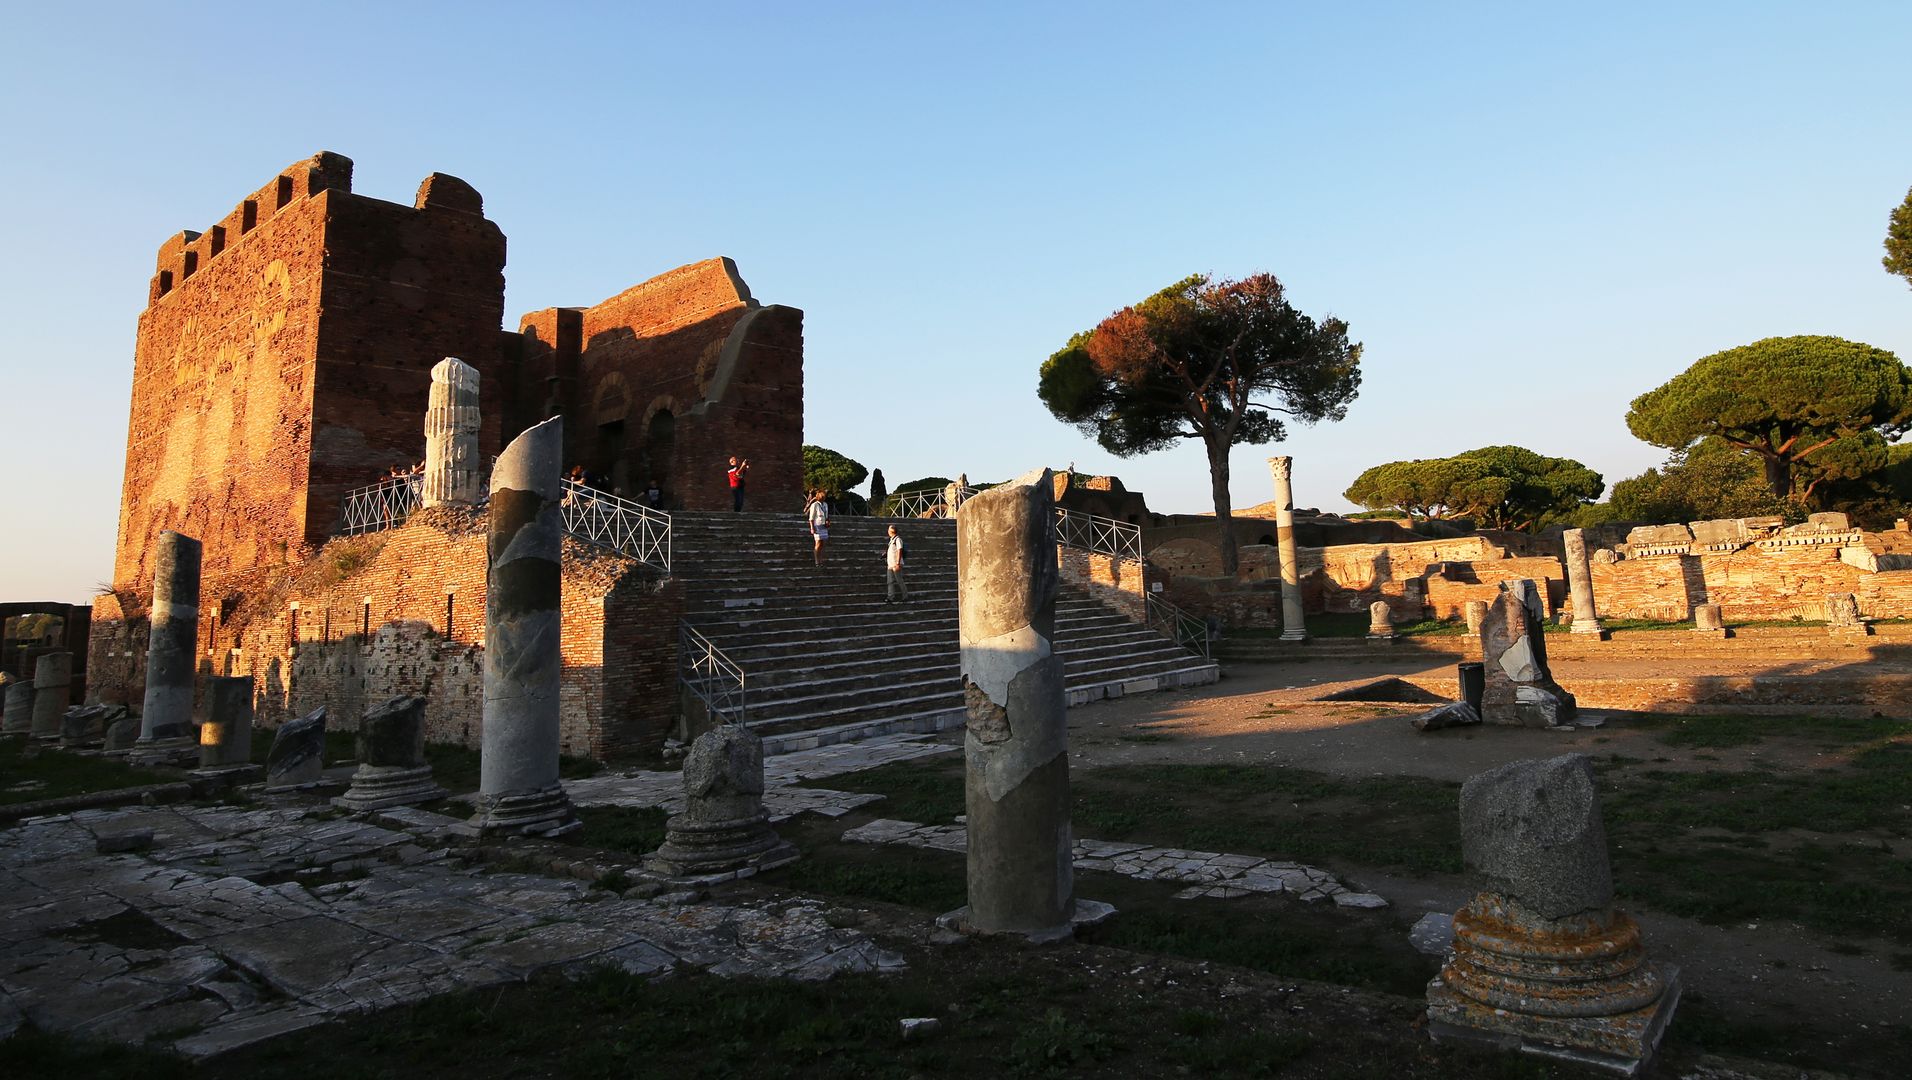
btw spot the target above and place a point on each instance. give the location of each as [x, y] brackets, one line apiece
[827, 660]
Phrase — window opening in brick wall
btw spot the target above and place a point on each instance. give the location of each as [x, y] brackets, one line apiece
[248, 216]
[187, 264]
[285, 192]
[165, 282]
[325, 634]
[448, 600]
[292, 628]
[365, 624]
[216, 241]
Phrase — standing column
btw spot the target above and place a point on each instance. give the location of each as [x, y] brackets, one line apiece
[225, 737]
[52, 690]
[452, 471]
[518, 785]
[1016, 750]
[167, 712]
[1293, 626]
[1580, 582]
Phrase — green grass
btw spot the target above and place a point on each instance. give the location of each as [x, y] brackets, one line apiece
[1718, 732]
[628, 830]
[58, 774]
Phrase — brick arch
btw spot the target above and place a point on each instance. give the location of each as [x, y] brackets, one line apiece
[656, 447]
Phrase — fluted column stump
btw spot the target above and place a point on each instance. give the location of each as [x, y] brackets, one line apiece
[1021, 873]
[518, 788]
[1542, 962]
[454, 475]
[1293, 622]
[1580, 584]
[166, 713]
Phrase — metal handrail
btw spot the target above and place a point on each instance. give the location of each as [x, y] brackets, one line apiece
[716, 679]
[1184, 629]
[922, 503]
[1098, 535]
[384, 505]
[626, 527]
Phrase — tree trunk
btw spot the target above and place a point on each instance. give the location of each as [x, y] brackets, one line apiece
[1779, 474]
[1218, 482]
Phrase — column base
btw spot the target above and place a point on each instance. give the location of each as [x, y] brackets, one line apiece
[1087, 913]
[541, 813]
[1624, 1044]
[375, 787]
[1294, 635]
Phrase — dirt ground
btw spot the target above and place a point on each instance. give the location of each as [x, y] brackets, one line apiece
[1265, 715]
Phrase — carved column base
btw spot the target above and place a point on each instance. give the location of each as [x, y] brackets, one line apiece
[1294, 635]
[1579, 988]
[726, 847]
[375, 787]
[546, 813]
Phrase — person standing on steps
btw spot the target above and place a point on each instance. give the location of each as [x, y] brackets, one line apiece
[739, 469]
[895, 587]
[819, 515]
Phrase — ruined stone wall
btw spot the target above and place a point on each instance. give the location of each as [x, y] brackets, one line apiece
[671, 377]
[281, 359]
[1447, 589]
[1752, 582]
[1114, 581]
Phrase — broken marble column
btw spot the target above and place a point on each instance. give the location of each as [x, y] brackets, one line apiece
[167, 712]
[1580, 583]
[518, 765]
[453, 472]
[1541, 961]
[1016, 749]
[1520, 686]
[1475, 612]
[1842, 616]
[82, 724]
[52, 692]
[1293, 623]
[225, 729]
[723, 830]
[19, 715]
[1707, 620]
[392, 769]
[1380, 621]
[122, 731]
[297, 757]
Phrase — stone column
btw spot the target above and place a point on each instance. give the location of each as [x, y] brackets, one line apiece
[1016, 750]
[723, 830]
[1476, 613]
[1707, 620]
[1520, 685]
[1293, 625]
[19, 716]
[52, 691]
[297, 756]
[1580, 582]
[392, 768]
[1380, 621]
[518, 765]
[1541, 959]
[1842, 615]
[225, 734]
[167, 712]
[453, 472]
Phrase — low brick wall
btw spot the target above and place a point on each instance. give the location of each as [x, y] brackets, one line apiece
[1758, 581]
[1118, 582]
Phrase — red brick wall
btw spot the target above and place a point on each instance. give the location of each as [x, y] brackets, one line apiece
[1752, 582]
[1114, 581]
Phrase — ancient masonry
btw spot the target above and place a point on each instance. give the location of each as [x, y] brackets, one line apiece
[287, 356]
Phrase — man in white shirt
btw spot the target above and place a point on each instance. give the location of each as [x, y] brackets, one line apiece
[894, 561]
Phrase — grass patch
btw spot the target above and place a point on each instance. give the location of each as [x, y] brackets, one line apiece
[1721, 732]
[930, 792]
[56, 774]
[629, 830]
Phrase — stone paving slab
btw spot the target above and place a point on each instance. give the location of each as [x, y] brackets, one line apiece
[1211, 874]
[338, 916]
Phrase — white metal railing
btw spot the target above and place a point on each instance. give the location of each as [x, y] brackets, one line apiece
[628, 528]
[384, 505]
[1100, 535]
[1179, 626]
[924, 503]
[716, 680]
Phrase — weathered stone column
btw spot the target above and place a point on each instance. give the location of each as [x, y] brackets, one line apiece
[1580, 582]
[225, 735]
[1842, 615]
[1520, 686]
[518, 765]
[1707, 620]
[52, 691]
[1380, 621]
[167, 712]
[1016, 750]
[78, 726]
[1542, 961]
[723, 831]
[1476, 614]
[19, 715]
[392, 768]
[453, 473]
[1293, 624]
[297, 756]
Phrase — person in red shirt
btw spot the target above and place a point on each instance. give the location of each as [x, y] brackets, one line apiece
[739, 468]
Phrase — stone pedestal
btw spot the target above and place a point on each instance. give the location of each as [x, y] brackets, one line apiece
[82, 725]
[19, 714]
[1380, 621]
[1293, 622]
[724, 830]
[1707, 620]
[454, 472]
[1472, 678]
[518, 768]
[166, 715]
[52, 693]
[297, 757]
[225, 728]
[1541, 961]
[1520, 686]
[392, 768]
[1580, 584]
[1842, 616]
[1475, 611]
[1016, 748]
[122, 733]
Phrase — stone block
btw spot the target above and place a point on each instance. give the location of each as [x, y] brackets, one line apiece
[1455, 714]
[297, 756]
[1659, 536]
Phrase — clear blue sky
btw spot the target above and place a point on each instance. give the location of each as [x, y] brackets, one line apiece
[1528, 217]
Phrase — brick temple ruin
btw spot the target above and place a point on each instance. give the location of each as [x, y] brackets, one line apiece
[282, 360]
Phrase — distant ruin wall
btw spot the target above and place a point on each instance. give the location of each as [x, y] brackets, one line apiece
[1753, 582]
[1115, 581]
